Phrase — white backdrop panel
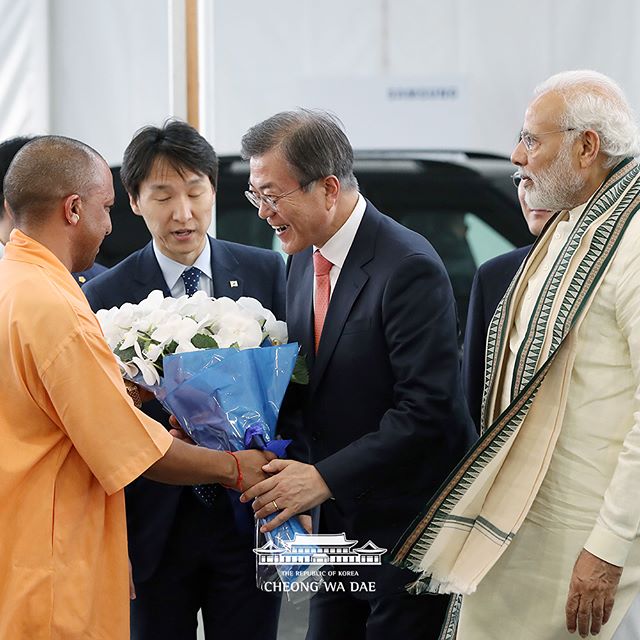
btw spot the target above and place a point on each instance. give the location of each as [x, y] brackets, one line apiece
[101, 69]
[24, 70]
[109, 70]
[288, 53]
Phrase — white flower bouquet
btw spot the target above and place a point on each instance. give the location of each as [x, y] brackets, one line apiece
[141, 335]
[221, 367]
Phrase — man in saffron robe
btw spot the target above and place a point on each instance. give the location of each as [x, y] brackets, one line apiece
[70, 436]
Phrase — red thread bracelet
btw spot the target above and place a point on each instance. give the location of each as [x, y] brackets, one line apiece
[238, 484]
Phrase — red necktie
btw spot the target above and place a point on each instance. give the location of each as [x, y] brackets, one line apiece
[321, 267]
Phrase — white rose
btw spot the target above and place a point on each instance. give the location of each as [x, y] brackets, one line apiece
[192, 305]
[128, 367]
[125, 315]
[277, 331]
[113, 336]
[238, 329]
[153, 301]
[206, 311]
[220, 308]
[106, 316]
[184, 346]
[129, 339]
[148, 371]
[170, 304]
[255, 308]
[155, 351]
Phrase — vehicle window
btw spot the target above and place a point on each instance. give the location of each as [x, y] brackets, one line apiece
[238, 222]
[449, 233]
[484, 241]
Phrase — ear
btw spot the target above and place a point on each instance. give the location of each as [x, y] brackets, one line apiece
[6, 210]
[331, 186]
[72, 206]
[133, 202]
[589, 148]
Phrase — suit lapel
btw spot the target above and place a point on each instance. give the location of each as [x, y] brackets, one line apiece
[224, 268]
[148, 273]
[353, 278]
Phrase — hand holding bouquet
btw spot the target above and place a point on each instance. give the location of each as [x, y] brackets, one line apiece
[220, 366]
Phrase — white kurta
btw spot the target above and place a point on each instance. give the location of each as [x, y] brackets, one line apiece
[589, 496]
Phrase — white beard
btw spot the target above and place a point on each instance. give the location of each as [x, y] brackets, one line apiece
[556, 187]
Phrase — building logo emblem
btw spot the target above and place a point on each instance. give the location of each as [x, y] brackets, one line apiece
[319, 549]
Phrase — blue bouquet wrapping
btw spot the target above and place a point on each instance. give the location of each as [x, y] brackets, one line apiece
[221, 367]
[229, 399]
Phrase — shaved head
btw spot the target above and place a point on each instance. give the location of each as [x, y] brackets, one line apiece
[47, 170]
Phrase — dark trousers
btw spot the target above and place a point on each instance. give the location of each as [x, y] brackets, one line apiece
[210, 565]
[341, 616]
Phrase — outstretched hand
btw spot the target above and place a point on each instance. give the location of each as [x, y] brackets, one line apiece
[252, 463]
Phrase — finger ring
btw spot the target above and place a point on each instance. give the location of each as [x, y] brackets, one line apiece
[275, 505]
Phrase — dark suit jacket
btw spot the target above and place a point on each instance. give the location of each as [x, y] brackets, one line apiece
[384, 413]
[259, 273]
[489, 285]
[82, 277]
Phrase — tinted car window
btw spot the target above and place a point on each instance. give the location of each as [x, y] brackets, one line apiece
[128, 232]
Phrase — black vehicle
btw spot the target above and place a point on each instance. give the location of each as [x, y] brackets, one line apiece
[464, 203]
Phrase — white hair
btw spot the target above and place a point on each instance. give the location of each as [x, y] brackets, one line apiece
[594, 101]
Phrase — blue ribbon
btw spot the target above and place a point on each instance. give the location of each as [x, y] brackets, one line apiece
[256, 437]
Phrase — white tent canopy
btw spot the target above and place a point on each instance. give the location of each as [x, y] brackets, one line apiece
[399, 73]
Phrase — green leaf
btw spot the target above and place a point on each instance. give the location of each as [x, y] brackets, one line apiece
[201, 341]
[170, 347]
[125, 354]
[300, 373]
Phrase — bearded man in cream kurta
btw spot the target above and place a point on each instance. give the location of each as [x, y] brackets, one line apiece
[539, 524]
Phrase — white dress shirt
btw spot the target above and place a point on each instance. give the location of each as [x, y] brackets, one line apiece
[337, 247]
[172, 271]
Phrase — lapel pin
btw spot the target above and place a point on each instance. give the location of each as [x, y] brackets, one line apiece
[233, 283]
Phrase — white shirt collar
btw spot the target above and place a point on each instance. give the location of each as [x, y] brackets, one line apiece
[576, 212]
[337, 247]
[1, 249]
[172, 270]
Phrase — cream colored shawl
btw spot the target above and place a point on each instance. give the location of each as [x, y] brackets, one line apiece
[463, 531]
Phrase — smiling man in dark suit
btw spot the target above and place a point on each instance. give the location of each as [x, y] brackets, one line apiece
[189, 550]
[383, 414]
